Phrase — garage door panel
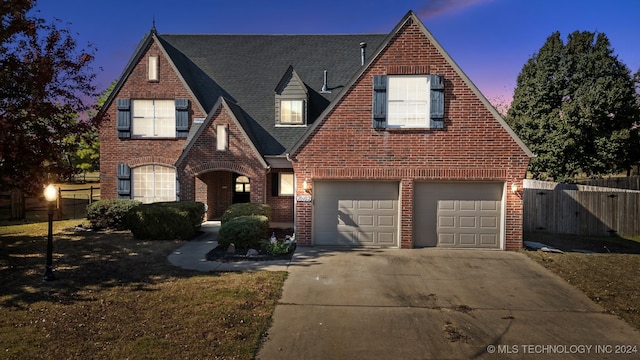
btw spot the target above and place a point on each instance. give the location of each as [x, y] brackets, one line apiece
[468, 239]
[468, 222]
[489, 222]
[458, 214]
[387, 221]
[366, 213]
[365, 220]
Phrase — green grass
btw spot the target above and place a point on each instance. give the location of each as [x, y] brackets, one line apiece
[609, 279]
[117, 297]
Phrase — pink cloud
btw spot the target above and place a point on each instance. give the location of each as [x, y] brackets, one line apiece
[436, 7]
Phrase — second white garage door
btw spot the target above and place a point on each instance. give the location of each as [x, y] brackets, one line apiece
[350, 213]
[458, 214]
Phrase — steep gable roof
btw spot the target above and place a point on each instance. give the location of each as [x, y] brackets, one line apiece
[245, 70]
[236, 117]
[410, 16]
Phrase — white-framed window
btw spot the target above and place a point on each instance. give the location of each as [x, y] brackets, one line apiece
[154, 183]
[222, 142]
[291, 111]
[408, 101]
[153, 68]
[286, 184]
[153, 118]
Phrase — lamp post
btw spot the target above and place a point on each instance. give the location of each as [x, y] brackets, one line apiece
[51, 195]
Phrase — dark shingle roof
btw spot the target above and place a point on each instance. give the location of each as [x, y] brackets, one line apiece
[246, 69]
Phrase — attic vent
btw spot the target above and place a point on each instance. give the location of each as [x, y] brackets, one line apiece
[325, 89]
[363, 57]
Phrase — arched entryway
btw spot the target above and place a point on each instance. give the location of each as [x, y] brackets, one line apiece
[221, 188]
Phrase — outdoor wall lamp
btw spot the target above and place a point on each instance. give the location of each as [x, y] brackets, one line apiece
[514, 188]
[306, 186]
[51, 195]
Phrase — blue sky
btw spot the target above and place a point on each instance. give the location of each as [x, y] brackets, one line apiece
[490, 39]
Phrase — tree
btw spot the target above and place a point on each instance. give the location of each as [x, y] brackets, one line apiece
[45, 82]
[574, 107]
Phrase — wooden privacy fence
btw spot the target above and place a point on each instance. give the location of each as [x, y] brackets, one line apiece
[71, 204]
[577, 210]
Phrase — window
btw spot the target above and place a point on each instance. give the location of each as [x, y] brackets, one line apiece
[222, 142]
[286, 184]
[153, 68]
[408, 101]
[242, 184]
[154, 183]
[154, 118]
[291, 111]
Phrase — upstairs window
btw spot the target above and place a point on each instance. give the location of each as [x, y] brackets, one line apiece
[292, 111]
[154, 118]
[291, 100]
[222, 138]
[153, 68]
[408, 101]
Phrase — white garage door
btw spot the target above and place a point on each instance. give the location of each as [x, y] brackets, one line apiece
[350, 213]
[458, 215]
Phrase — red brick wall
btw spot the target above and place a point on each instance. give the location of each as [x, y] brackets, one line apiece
[239, 158]
[281, 206]
[135, 152]
[472, 146]
[205, 172]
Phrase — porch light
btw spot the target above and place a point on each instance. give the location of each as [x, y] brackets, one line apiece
[514, 188]
[306, 186]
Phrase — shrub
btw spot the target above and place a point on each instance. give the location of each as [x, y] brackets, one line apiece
[244, 231]
[110, 214]
[194, 208]
[245, 209]
[160, 222]
[278, 247]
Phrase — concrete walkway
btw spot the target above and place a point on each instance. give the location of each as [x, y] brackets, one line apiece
[192, 255]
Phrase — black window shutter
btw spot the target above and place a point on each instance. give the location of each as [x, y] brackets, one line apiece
[275, 184]
[124, 181]
[182, 118]
[124, 118]
[437, 102]
[379, 101]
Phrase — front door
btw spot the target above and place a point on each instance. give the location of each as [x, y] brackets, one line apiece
[241, 189]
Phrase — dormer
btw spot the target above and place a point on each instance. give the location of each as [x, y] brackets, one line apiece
[291, 100]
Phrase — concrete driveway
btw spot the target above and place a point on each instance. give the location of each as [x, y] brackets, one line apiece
[436, 304]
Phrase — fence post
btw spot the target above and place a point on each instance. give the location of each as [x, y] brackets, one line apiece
[90, 194]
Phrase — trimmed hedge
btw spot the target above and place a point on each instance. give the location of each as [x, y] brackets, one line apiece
[244, 231]
[245, 209]
[165, 221]
[194, 208]
[110, 214]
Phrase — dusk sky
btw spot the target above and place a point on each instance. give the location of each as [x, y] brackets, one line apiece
[490, 39]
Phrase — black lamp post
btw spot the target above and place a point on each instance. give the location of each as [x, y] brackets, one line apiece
[51, 195]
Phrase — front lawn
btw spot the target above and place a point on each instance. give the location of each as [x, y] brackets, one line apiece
[117, 298]
[609, 279]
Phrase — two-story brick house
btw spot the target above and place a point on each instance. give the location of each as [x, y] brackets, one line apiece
[358, 140]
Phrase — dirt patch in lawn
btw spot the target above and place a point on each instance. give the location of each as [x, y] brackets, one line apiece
[609, 279]
[573, 243]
